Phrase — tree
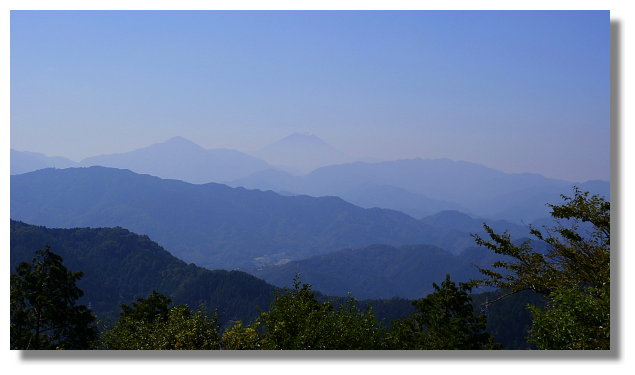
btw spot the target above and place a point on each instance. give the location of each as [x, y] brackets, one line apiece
[239, 337]
[575, 318]
[155, 307]
[44, 314]
[297, 320]
[444, 320]
[573, 273]
[151, 324]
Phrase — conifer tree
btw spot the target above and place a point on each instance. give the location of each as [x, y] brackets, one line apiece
[444, 320]
[44, 313]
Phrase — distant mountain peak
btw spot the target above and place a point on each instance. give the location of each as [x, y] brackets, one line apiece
[304, 138]
[179, 141]
[178, 138]
[302, 134]
[302, 152]
[179, 158]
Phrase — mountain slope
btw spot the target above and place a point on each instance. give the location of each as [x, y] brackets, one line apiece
[120, 266]
[396, 198]
[381, 271]
[365, 195]
[182, 159]
[460, 222]
[24, 161]
[211, 225]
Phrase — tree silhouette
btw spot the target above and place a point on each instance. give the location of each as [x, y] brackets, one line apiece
[43, 310]
[574, 273]
[444, 320]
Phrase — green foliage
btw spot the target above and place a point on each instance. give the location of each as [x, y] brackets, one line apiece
[575, 318]
[297, 320]
[444, 320]
[574, 274]
[239, 337]
[573, 258]
[151, 324]
[43, 310]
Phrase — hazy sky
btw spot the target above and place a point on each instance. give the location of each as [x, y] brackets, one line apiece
[517, 91]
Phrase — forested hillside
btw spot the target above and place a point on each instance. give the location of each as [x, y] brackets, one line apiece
[381, 271]
[553, 293]
[120, 266]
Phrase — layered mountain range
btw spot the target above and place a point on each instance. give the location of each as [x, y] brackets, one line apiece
[212, 225]
[176, 158]
[422, 187]
[219, 226]
[374, 229]
[417, 187]
[25, 161]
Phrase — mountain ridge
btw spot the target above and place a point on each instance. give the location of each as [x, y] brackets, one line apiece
[27, 161]
[440, 183]
[381, 271]
[120, 266]
[211, 224]
[182, 159]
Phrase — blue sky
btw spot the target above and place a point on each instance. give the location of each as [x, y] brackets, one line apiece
[517, 91]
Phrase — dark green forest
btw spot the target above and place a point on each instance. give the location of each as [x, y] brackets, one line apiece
[109, 288]
[120, 266]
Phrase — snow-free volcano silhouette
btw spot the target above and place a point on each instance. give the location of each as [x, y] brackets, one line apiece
[302, 152]
[182, 159]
